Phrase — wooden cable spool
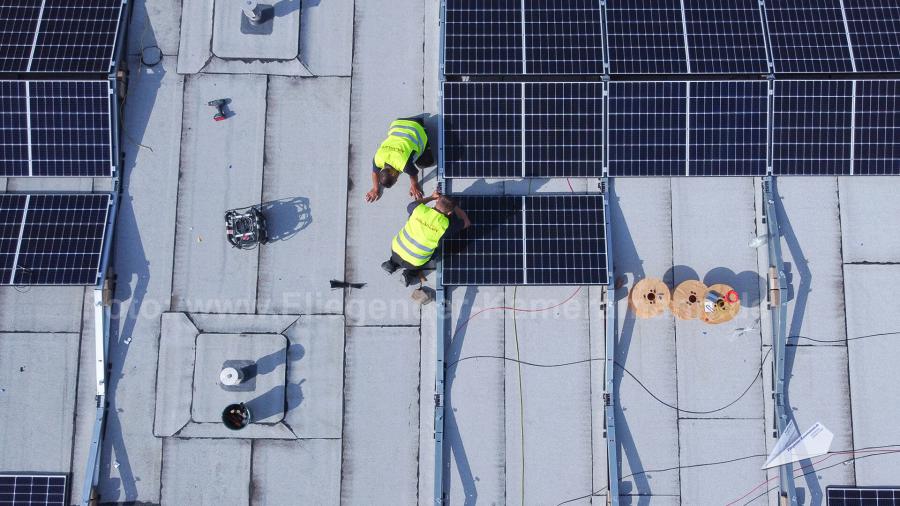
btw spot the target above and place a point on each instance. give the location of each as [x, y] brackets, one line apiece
[687, 301]
[649, 297]
[726, 306]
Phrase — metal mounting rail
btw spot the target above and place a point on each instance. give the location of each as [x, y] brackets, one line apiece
[609, 394]
[777, 299]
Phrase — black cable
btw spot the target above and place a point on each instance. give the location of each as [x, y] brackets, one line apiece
[843, 340]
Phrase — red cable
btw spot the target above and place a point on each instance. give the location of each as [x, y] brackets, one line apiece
[521, 310]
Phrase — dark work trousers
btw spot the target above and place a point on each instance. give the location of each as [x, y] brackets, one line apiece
[410, 271]
[427, 158]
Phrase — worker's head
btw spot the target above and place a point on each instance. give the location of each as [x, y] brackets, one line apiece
[388, 176]
[444, 205]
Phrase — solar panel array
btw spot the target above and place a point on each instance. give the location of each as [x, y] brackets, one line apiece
[543, 37]
[52, 239]
[863, 496]
[528, 240]
[59, 35]
[32, 490]
[55, 128]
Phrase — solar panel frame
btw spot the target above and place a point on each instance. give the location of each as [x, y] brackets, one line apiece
[56, 129]
[657, 144]
[858, 496]
[33, 489]
[563, 37]
[728, 128]
[812, 128]
[808, 36]
[77, 37]
[565, 240]
[490, 252]
[645, 40]
[712, 28]
[483, 37]
[563, 129]
[876, 128]
[874, 27]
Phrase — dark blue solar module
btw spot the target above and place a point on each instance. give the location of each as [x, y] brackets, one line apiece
[725, 37]
[483, 37]
[563, 129]
[874, 34]
[76, 36]
[645, 38]
[565, 240]
[534, 240]
[32, 490]
[808, 36]
[59, 239]
[728, 128]
[647, 128]
[490, 252]
[18, 22]
[563, 37]
[55, 128]
[863, 496]
[877, 128]
[812, 128]
[12, 207]
[483, 130]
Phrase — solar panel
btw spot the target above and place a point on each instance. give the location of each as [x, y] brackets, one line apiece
[59, 240]
[18, 22]
[645, 38]
[863, 496]
[563, 129]
[725, 37]
[874, 27]
[76, 36]
[12, 207]
[812, 128]
[28, 490]
[877, 128]
[565, 240]
[490, 252]
[563, 37]
[647, 128]
[483, 130]
[808, 36]
[483, 37]
[534, 240]
[55, 128]
[728, 128]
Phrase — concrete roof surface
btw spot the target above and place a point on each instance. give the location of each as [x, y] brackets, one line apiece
[695, 411]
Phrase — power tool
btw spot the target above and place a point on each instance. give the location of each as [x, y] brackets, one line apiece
[245, 228]
[221, 105]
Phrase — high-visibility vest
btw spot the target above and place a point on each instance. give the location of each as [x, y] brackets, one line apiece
[418, 239]
[405, 138]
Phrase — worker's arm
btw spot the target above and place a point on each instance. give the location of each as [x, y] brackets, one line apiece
[463, 216]
[375, 193]
[431, 198]
[415, 191]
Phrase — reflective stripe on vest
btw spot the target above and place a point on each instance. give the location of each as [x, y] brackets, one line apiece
[422, 233]
[405, 139]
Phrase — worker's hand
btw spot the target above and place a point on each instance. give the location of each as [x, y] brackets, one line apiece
[415, 191]
[466, 223]
[436, 194]
[373, 194]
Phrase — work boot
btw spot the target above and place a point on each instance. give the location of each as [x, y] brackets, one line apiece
[410, 278]
[389, 267]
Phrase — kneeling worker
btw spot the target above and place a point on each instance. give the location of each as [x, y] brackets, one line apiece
[414, 245]
[405, 150]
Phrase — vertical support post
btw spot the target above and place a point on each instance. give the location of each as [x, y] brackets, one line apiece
[609, 394]
[101, 343]
[440, 299]
[777, 283]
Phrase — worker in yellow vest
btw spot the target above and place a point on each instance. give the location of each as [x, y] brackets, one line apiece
[415, 244]
[405, 150]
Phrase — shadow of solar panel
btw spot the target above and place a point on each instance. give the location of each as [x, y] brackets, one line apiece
[482, 130]
[645, 38]
[728, 128]
[483, 37]
[808, 36]
[647, 128]
[565, 240]
[877, 123]
[490, 251]
[725, 37]
[563, 37]
[874, 34]
[32, 490]
[812, 128]
[563, 129]
[76, 36]
[18, 22]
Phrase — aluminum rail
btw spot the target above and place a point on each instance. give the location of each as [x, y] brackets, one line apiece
[777, 282]
[609, 394]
